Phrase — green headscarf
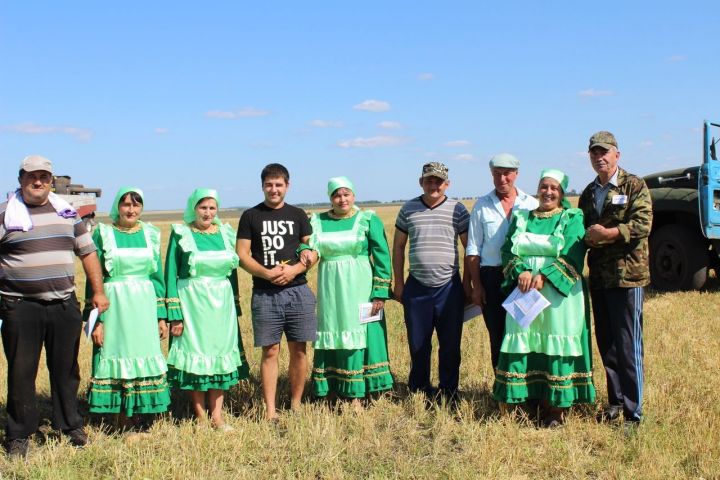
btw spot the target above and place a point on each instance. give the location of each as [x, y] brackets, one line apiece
[114, 212]
[197, 195]
[561, 178]
[339, 182]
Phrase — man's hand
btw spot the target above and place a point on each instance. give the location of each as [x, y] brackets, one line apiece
[100, 301]
[287, 273]
[478, 296]
[162, 329]
[597, 235]
[176, 328]
[98, 334]
[397, 290]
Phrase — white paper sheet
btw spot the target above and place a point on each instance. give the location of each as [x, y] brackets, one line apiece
[90, 324]
[525, 307]
[471, 311]
[365, 310]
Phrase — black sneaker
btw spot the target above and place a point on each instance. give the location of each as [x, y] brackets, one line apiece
[77, 437]
[610, 414]
[17, 447]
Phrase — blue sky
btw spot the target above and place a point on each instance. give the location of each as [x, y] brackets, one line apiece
[169, 96]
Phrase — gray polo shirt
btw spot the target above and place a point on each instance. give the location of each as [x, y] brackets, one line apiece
[433, 235]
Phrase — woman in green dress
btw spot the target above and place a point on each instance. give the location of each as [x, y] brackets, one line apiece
[351, 358]
[206, 355]
[128, 367]
[550, 361]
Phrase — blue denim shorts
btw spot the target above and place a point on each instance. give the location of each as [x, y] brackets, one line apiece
[290, 310]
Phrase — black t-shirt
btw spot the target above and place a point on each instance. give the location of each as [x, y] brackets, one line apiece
[274, 236]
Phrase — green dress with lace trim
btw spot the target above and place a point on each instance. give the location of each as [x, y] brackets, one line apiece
[350, 358]
[201, 279]
[551, 359]
[128, 371]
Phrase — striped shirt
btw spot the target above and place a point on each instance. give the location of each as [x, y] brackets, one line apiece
[433, 235]
[40, 263]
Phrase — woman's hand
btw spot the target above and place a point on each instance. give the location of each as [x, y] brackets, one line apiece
[308, 258]
[162, 328]
[176, 328]
[98, 334]
[524, 281]
[377, 305]
[538, 281]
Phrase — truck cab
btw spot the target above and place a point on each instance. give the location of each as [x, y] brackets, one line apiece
[685, 236]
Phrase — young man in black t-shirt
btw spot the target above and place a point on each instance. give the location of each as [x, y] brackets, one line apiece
[268, 238]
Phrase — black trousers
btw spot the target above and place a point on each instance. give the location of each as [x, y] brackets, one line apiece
[618, 331]
[27, 326]
[493, 312]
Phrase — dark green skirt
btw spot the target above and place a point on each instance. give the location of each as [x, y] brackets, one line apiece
[560, 381]
[139, 395]
[354, 373]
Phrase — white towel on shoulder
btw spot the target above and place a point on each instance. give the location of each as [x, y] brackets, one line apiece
[17, 216]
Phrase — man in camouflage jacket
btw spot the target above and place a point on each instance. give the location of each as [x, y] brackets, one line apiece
[618, 218]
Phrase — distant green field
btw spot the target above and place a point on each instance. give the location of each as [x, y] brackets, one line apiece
[397, 437]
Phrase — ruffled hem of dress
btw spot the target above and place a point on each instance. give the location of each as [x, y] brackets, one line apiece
[564, 397]
[138, 396]
[527, 342]
[129, 368]
[341, 340]
[202, 383]
[203, 364]
[376, 380]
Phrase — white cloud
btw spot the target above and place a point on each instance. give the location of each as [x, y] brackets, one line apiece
[161, 131]
[326, 124]
[591, 92]
[390, 125]
[29, 128]
[458, 143]
[426, 76]
[233, 114]
[373, 142]
[373, 106]
[676, 58]
[465, 157]
[646, 143]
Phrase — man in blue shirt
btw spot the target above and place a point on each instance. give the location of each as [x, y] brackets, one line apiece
[489, 224]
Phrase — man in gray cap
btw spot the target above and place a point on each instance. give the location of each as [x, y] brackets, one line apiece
[489, 224]
[618, 217]
[39, 236]
[433, 296]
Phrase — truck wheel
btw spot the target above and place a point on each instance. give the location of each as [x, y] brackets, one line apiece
[678, 259]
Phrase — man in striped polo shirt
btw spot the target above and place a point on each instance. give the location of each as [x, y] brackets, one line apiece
[38, 241]
[433, 296]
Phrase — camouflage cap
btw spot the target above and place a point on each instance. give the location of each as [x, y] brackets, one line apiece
[603, 139]
[435, 169]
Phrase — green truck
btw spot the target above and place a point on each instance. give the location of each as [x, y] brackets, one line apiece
[685, 237]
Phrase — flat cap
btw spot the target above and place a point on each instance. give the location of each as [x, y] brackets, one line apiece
[504, 160]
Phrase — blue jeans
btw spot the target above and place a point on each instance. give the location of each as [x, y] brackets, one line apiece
[440, 309]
